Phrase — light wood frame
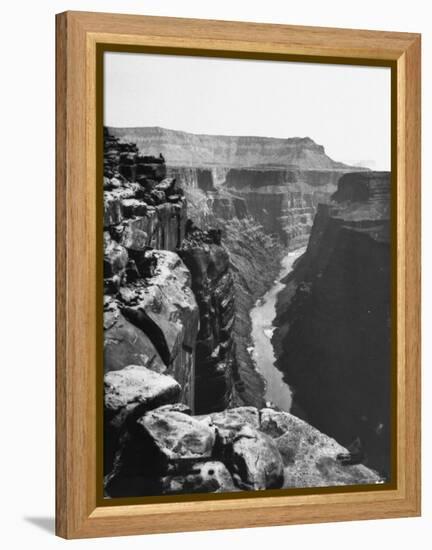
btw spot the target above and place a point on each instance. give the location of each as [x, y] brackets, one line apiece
[78, 34]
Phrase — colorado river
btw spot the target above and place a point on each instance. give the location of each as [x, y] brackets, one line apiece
[262, 316]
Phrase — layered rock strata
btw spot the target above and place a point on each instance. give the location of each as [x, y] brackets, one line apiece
[283, 201]
[277, 182]
[150, 314]
[159, 312]
[333, 320]
[186, 149]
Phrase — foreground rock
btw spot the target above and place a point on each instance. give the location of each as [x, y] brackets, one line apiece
[163, 442]
[203, 477]
[311, 458]
[178, 437]
[228, 424]
[128, 394]
[137, 389]
[168, 451]
[257, 462]
[154, 322]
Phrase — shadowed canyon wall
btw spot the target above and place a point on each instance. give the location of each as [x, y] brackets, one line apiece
[333, 319]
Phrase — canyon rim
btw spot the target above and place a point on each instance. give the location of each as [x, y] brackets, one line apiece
[247, 276]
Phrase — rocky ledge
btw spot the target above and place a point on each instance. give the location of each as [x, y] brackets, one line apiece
[168, 288]
[163, 449]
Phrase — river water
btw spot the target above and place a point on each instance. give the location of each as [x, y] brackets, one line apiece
[262, 316]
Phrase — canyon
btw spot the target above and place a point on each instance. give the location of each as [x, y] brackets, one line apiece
[195, 230]
[278, 182]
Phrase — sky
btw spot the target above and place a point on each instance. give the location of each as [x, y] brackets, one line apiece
[345, 108]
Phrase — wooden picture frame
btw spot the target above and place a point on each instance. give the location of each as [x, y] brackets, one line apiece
[78, 336]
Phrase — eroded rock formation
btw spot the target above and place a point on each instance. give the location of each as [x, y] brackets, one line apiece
[283, 201]
[186, 149]
[277, 182]
[333, 336]
[159, 312]
[165, 450]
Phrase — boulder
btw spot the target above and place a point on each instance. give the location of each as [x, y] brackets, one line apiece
[276, 423]
[178, 437]
[136, 389]
[128, 393]
[256, 461]
[309, 456]
[229, 422]
[203, 477]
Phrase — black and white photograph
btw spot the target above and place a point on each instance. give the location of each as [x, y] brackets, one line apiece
[247, 263]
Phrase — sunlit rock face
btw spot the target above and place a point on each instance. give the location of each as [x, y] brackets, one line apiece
[151, 317]
[167, 451]
[159, 313]
[334, 319]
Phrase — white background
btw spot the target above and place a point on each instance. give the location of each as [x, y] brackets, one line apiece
[27, 272]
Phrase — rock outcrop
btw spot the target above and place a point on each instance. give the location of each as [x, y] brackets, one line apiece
[150, 313]
[169, 292]
[167, 451]
[333, 320]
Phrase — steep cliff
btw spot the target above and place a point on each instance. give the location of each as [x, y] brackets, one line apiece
[158, 312]
[186, 149]
[212, 285]
[333, 323]
[254, 257]
[283, 201]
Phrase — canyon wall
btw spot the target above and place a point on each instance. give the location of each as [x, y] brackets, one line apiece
[156, 314]
[283, 201]
[333, 320]
[186, 149]
[277, 182]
